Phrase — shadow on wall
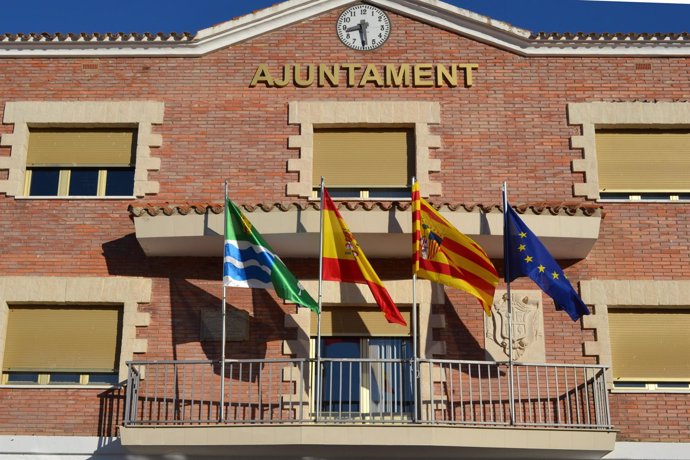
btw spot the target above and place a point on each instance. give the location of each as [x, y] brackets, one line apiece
[461, 343]
[191, 307]
[111, 411]
[194, 291]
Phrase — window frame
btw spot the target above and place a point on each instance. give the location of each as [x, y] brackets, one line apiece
[650, 382]
[364, 395]
[64, 183]
[370, 191]
[66, 169]
[44, 376]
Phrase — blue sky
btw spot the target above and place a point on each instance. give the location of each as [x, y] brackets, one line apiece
[191, 16]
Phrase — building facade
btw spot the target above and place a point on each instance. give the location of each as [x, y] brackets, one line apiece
[114, 154]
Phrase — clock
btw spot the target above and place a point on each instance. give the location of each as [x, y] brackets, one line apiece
[363, 27]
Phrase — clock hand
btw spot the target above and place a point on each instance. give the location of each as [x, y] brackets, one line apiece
[363, 31]
[353, 28]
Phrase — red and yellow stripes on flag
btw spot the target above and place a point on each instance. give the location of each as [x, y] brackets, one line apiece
[344, 260]
[444, 255]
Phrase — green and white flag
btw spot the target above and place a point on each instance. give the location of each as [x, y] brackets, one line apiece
[250, 262]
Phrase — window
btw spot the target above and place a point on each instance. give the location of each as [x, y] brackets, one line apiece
[366, 377]
[652, 164]
[649, 347]
[376, 163]
[62, 345]
[80, 162]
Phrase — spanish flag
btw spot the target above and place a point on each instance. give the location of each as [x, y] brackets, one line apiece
[344, 260]
[444, 255]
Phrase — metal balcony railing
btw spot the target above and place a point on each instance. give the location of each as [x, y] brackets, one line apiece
[367, 391]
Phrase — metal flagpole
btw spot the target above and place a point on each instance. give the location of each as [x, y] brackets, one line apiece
[222, 354]
[318, 316]
[506, 268]
[414, 326]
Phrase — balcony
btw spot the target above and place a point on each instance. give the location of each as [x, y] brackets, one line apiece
[568, 230]
[374, 408]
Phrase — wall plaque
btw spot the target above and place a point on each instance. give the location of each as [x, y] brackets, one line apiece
[236, 324]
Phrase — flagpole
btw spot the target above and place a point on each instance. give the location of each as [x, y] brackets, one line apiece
[318, 316]
[506, 268]
[222, 316]
[415, 351]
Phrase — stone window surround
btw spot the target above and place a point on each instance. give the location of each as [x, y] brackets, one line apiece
[593, 115]
[48, 290]
[95, 114]
[330, 114]
[639, 293]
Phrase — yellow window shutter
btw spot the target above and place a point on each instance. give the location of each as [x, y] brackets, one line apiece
[643, 160]
[649, 344]
[359, 322]
[81, 147]
[363, 158]
[68, 339]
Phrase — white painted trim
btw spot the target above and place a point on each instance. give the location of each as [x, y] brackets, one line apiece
[60, 447]
[432, 12]
[650, 451]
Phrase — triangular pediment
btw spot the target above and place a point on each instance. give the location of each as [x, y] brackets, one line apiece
[435, 13]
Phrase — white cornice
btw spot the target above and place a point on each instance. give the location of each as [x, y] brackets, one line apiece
[433, 12]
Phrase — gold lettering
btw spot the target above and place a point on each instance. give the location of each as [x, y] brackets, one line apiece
[450, 76]
[350, 70]
[299, 81]
[331, 75]
[286, 77]
[468, 72]
[262, 75]
[423, 75]
[371, 75]
[390, 75]
[401, 77]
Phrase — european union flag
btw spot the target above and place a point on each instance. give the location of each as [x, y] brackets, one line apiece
[525, 255]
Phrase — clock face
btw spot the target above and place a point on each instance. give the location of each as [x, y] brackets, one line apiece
[363, 27]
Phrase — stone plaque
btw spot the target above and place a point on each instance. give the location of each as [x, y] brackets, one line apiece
[236, 325]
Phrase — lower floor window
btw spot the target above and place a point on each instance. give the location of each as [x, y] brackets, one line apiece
[62, 345]
[366, 376]
[648, 347]
[54, 181]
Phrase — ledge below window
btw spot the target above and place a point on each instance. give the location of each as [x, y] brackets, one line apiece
[382, 229]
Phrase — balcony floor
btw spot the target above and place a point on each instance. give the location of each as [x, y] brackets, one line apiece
[295, 441]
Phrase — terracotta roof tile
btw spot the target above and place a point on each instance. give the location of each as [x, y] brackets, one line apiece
[610, 37]
[570, 208]
[177, 37]
[96, 37]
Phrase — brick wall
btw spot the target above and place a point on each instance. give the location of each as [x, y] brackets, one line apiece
[511, 125]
